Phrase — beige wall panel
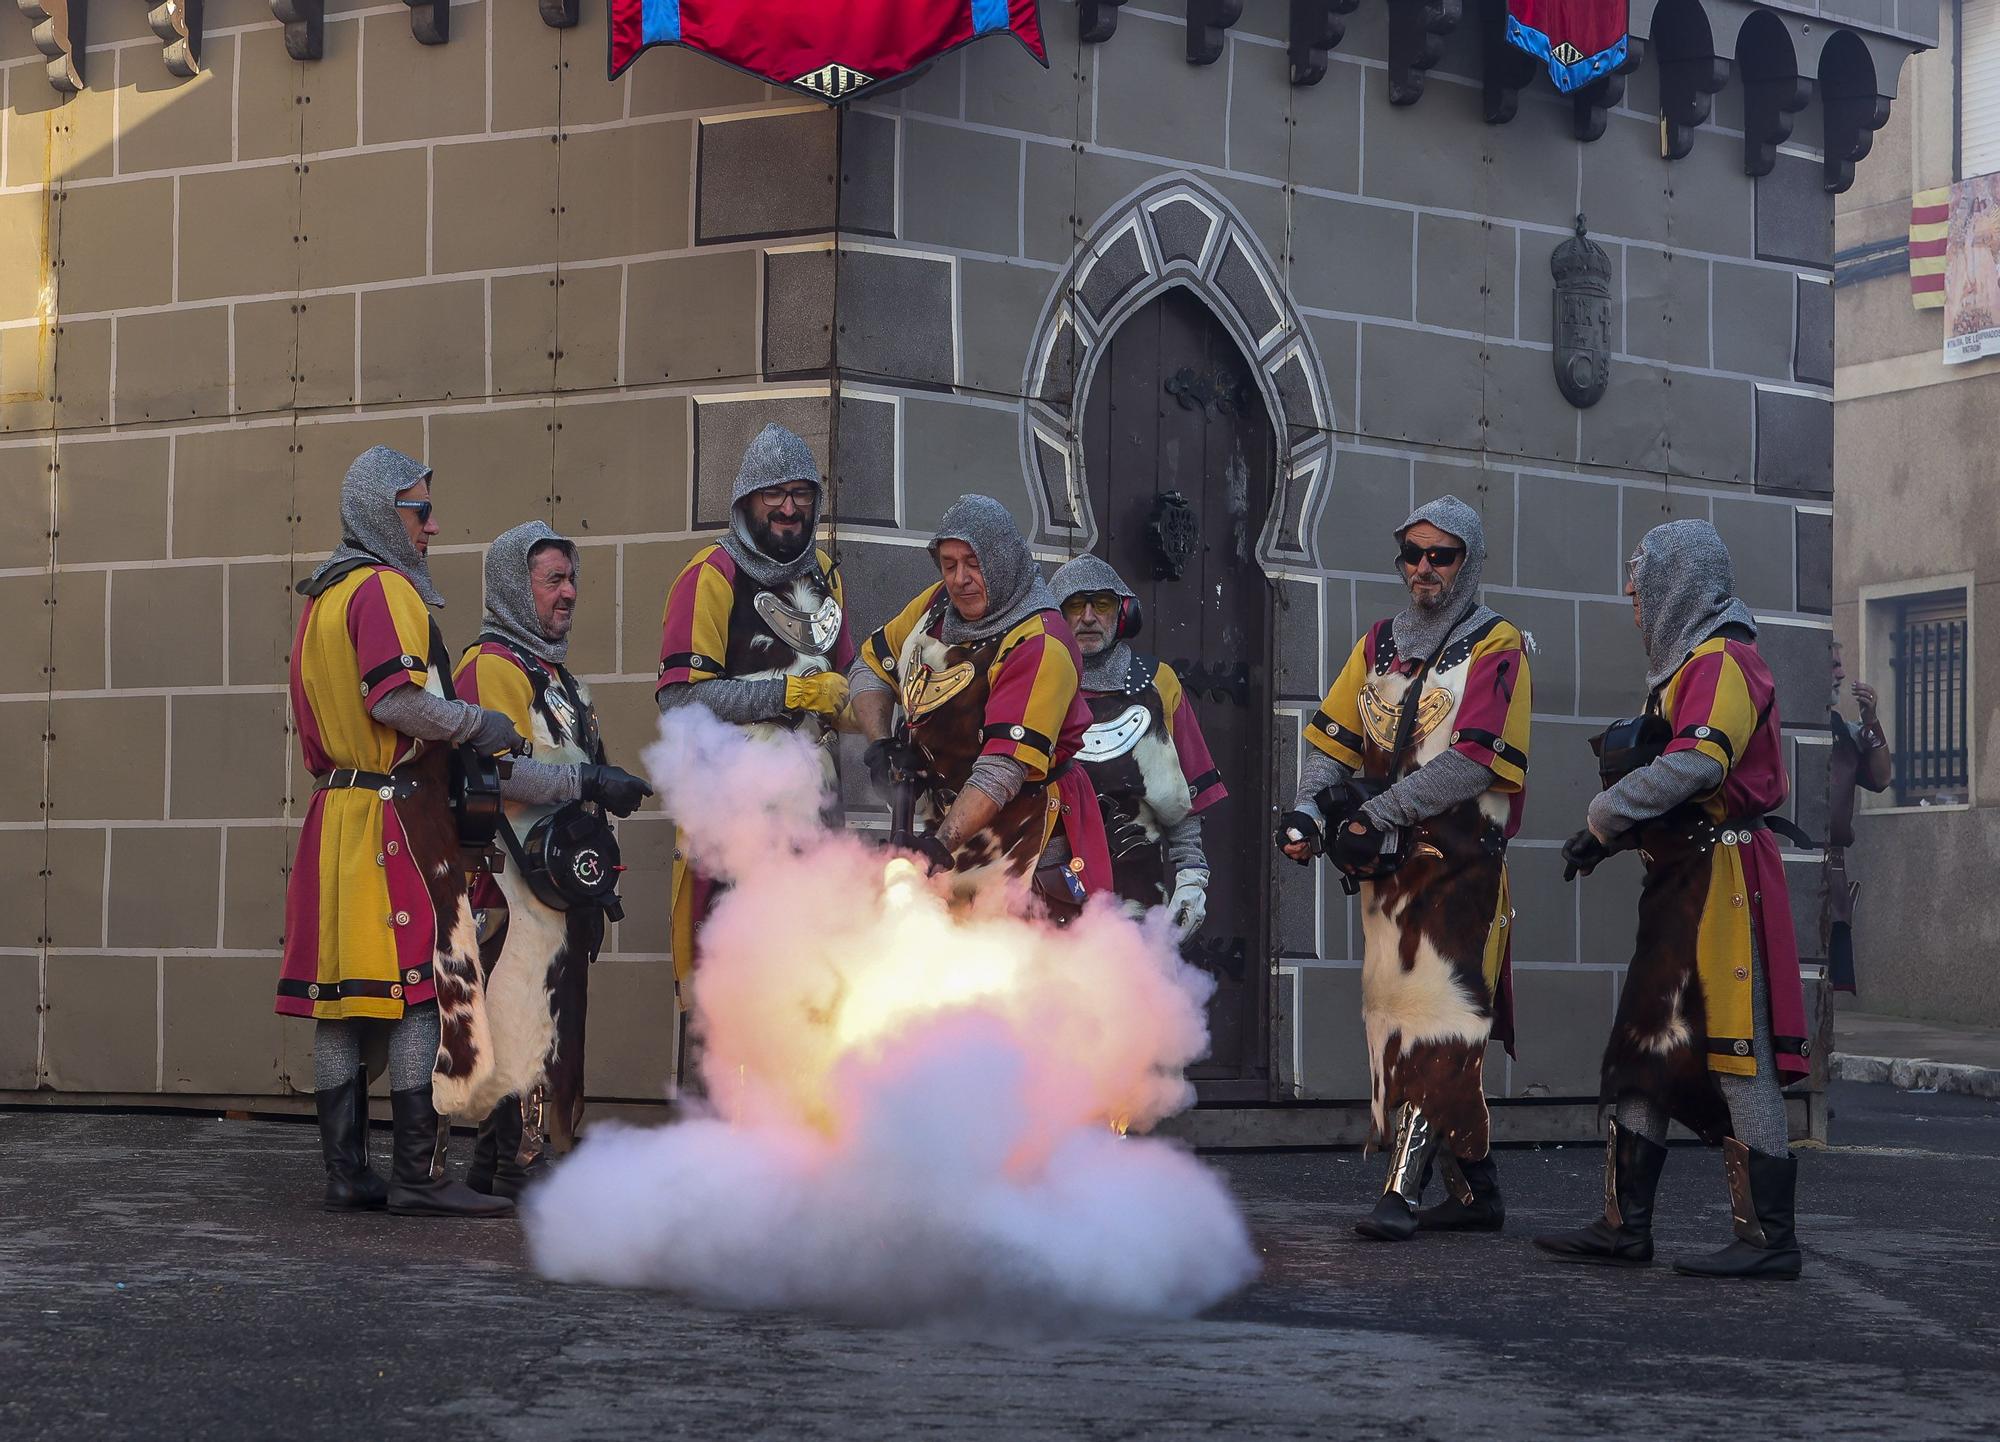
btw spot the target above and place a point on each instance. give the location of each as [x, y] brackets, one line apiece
[670, 80]
[266, 348]
[692, 318]
[629, 1038]
[239, 232]
[233, 492]
[526, 69]
[23, 724]
[24, 860]
[255, 867]
[1875, 320]
[76, 885]
[111, 499]
[24, 254]
[331, 88]
[625, 191]
[493, 204]
[108, 761]
[76, 653]
[229, 755]
[270, 94]
[524, 330]
[173, 364]
[492, 470]
[263, 609]
[116, 246]
[593, 638]
[168, 123]
[650, 569]
[33, 113]
[85, 126]
[417, 92]
[326, 449]
[81, 377]
[327, 369]
[589, 327]
[217, 1030]
[20, 1021]
[166, 886]
[424, 342]
[27, 379]
[364, 216]
[646, 844]
[101, 1033]
[630, 720]
[622, 467]
[24, 503]
[24, 640]
[295, 1067]
[587, 99]
[458, 577]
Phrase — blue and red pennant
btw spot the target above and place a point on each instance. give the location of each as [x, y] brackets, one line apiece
[829, 49]
[1579, 40]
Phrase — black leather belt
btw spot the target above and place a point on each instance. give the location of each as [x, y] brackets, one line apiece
[391, 787]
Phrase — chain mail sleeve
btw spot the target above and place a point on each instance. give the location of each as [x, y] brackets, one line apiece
[1317, 772]
[1000, 777]
[731, 699]
[1652, 790]
[542, 783]
[1184, 848]
[416, 712]
[1433, 788]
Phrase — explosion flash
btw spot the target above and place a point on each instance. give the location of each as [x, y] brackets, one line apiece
[920, 1111]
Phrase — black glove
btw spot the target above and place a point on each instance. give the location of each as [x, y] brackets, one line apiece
[1582, 853]
[933, 855]
[1298, 826]
[889, 756]
[1355, 851]
[616, 790]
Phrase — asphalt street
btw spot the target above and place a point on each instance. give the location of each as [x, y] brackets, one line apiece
[172, 1276]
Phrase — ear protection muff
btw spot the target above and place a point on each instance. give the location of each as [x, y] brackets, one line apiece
[1131, 617]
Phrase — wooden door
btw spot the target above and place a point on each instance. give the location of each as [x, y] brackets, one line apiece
[1174, 411]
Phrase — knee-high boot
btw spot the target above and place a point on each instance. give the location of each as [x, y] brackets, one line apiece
[1623, 1236]
[1471, 1200]
[351, 1186]
[1762, 1191]
[496, 1168]
[418, 1186]
[1394, 1218]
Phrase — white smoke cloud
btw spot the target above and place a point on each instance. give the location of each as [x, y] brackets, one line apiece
[915, 1108]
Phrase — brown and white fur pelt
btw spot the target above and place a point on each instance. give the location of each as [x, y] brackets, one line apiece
[465, 1036]
[1424, 998]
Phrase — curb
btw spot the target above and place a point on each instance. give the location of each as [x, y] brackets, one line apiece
[1918, 1074]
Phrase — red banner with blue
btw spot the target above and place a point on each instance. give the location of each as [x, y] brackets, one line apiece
[1579, 40]
[829, 49]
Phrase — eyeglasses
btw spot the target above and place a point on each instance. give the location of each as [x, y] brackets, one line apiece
[422, 508]
[1439, 556]
[801, 496]
[1104, 603]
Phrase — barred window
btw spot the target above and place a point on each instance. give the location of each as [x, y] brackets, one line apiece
[1929, 650]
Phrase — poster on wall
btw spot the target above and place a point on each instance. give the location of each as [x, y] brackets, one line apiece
[1972, 271]
[832, 50]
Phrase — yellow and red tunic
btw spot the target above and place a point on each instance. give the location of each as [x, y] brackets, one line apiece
[360, 927]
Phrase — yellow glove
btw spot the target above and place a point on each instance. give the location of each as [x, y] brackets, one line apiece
[824, 692]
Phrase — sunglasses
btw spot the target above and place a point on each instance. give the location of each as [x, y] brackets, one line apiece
[422, 508]
[1105, 603]
[1438, 556]
[800, 496]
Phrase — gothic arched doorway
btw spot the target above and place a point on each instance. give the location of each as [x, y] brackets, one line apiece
[1174, 408]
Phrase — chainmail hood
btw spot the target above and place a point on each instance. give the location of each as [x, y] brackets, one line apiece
[1107, 670]
[370, 528]
[1015, 589]
[776, 457]
[510, 600]
[1687, 592]
[1419, 632]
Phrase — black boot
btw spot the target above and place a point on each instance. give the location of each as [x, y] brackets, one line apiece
[1471, 1199]
[1394, 1218]
[497, 1170]
[1761, 1192]
[1623, 1236]
[418, 1186]
[343, 1140]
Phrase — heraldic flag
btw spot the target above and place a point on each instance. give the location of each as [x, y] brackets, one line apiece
[830, 49]
[1579, 40]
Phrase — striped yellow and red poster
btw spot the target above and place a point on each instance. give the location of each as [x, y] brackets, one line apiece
[1930, 225]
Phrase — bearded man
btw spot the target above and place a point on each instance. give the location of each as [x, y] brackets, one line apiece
[1144, 750]
[377, 923]
[986, 674]
[1711, 1019]
[538, 930]
[1413, 779]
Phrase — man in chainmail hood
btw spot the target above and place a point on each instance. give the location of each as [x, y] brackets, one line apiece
[1412, 783]
[362, 947]
[1145, 753]
[541, 971]
[756, 630]
[984, 672]
[1711, 1018]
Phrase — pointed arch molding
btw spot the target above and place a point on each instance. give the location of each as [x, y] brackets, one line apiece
[1175, 231]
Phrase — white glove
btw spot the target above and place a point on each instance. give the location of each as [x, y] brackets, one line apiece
[1187, 908]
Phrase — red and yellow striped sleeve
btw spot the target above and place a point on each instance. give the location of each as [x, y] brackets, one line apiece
[694, 633]
[1336, 727]
[881, 649]
[1033, 683]
[391, 632]
[1712, 706]
[1204, 777]
[488, 676]
[1492, 723]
